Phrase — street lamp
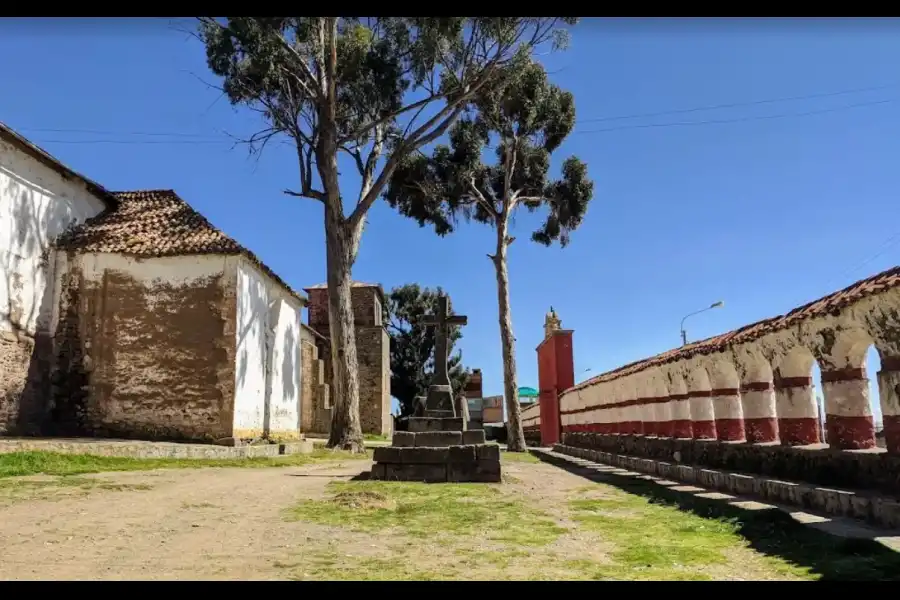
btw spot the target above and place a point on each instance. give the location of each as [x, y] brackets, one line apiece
[718, 304]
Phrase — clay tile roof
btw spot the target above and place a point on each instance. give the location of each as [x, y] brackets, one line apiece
[829, 304]
[156, 223]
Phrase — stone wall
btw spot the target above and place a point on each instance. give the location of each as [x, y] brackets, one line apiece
[853, 470]
[372, 350]
[145, 348]
[315, 411]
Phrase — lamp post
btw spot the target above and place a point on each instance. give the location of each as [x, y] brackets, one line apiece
[718, 304]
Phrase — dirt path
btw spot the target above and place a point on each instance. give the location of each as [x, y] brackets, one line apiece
[189, 524]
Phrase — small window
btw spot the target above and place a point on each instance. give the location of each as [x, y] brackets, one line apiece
[378, 314]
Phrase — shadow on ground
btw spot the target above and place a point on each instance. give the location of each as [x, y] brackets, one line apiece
[771, 532]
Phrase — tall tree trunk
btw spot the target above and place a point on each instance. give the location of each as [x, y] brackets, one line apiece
[346, 432]
[516, 436]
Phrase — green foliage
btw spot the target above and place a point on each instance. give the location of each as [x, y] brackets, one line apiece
[524, 121]
[344, 83]
[412, 345]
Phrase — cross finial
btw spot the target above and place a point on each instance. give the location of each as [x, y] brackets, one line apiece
[442, 321]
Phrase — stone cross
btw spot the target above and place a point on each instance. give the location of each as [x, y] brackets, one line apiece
[442, 322]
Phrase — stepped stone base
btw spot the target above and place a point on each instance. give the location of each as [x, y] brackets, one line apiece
[438, 455]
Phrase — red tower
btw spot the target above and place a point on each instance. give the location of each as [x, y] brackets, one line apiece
[556, 372]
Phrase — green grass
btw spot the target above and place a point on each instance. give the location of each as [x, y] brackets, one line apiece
[654, 542]
[519, 457]
[17, 464]
[425, 511]
[659, 533]
[371, 437]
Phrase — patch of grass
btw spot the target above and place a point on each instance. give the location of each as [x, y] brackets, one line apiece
[17, 464]
[518, 457]
[371, 437]
[660, 533]
[427, 510]
[24, 489]
[655, 542]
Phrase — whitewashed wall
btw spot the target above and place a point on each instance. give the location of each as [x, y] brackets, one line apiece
[268, 369]
[36, 205]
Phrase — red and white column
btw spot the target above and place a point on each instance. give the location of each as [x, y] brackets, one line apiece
[703, 416]
[729, 415]
[664, 423]
[889, 389]
[648, 416]
[681, 416]
[760, 415]
[798, 415]
[848, 412]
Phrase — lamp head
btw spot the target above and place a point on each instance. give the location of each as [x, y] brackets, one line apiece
[718, 304]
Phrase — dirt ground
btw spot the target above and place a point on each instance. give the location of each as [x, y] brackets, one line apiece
[234, 524]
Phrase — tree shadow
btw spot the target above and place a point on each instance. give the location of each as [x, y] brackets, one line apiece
[289, 359]
[771, 532]
[27, 274]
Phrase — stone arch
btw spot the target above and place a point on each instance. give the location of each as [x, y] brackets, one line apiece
[614, 413]
[643, 402]
[631, 421]
[726, 397]
[757, 395]
[703, 416]
[680, 403]
[882, 321]
[662, 406]
[795, 402]
[841, 351]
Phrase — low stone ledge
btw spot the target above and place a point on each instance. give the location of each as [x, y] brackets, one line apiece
[839, 502]
[865, 470]
[134, 449]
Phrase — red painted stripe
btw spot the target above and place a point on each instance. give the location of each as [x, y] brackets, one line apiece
[891, 431]
[848, 374]
[682, 428]
[850, 433]
[665, 428]
[761, 430]
[791, 382]
[890, 363]
[757, 386]
[726, 392]
[799, 432]
[730, 430]
[704, 430]
[700, 394]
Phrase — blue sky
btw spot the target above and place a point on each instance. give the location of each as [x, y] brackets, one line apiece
[764, 205]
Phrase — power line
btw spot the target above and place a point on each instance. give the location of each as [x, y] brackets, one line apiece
[891, 241]
[194, 138]
[738, 104]
[106, 132]
[738, 120]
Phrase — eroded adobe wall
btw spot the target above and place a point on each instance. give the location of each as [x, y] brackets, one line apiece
[754, 386]
[145, 348]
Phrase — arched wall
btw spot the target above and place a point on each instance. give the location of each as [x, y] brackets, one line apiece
[754, 385]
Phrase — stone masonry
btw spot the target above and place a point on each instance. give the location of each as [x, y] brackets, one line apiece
[372, 351]
[438, 447]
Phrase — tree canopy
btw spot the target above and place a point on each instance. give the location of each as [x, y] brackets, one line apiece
[523, 123]
[412, 345]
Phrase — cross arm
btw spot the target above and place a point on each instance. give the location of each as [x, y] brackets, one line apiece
[458, 320]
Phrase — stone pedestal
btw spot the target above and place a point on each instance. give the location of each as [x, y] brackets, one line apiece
[436, 450]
